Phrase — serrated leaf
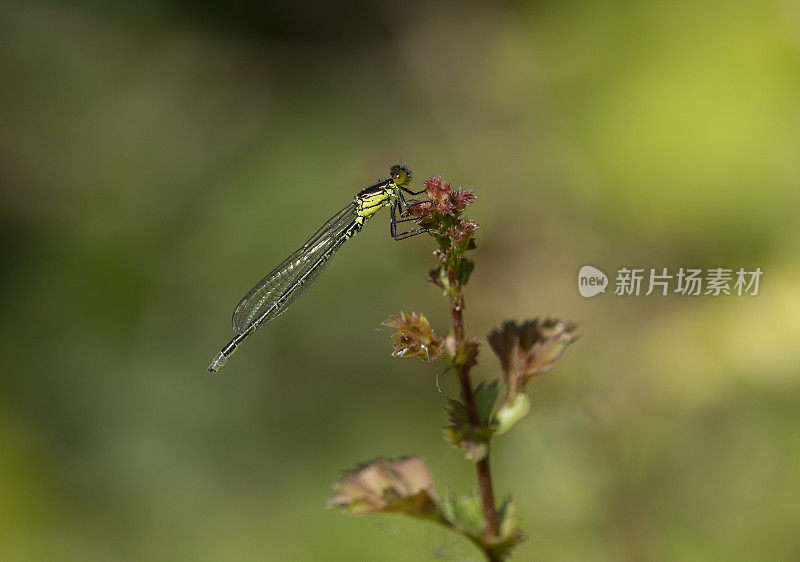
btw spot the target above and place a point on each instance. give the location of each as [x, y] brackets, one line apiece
[509, 532]
[384, 485]
[457, 413]
[467, 356]
[437, 275]
[474, 442]
[413, 337]
[461, 235]
[464, 270]
[464, 512]
[486, 397]
[507, 517]
[529, 349]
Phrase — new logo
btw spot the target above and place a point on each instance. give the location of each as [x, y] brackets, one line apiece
[591, 281]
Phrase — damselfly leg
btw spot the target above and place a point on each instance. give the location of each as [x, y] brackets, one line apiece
[394, 221]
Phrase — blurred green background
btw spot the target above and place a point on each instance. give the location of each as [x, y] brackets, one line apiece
[158, 157]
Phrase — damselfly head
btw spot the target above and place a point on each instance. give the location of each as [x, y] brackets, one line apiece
[400, 174]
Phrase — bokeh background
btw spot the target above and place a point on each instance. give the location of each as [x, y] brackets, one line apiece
[158, 157]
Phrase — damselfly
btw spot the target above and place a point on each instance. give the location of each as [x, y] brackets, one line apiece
[282, 286]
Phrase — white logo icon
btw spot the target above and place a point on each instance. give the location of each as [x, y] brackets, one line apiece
[591, 281]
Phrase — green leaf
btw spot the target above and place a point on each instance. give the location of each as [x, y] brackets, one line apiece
[508, 519]
[474, 442]
[509, 532]
[443, 240]
[486, 399]
[511, 413]
[464, 512]
[457, 413]
[438, 276]
[465, 269]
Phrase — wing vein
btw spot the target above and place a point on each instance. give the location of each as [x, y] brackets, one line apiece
[282, 286]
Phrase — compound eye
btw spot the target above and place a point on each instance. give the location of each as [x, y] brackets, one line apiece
[399, 175]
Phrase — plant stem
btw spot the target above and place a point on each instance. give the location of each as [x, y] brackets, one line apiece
[482, 466]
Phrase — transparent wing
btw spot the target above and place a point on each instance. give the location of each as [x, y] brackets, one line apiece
[295, 274]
